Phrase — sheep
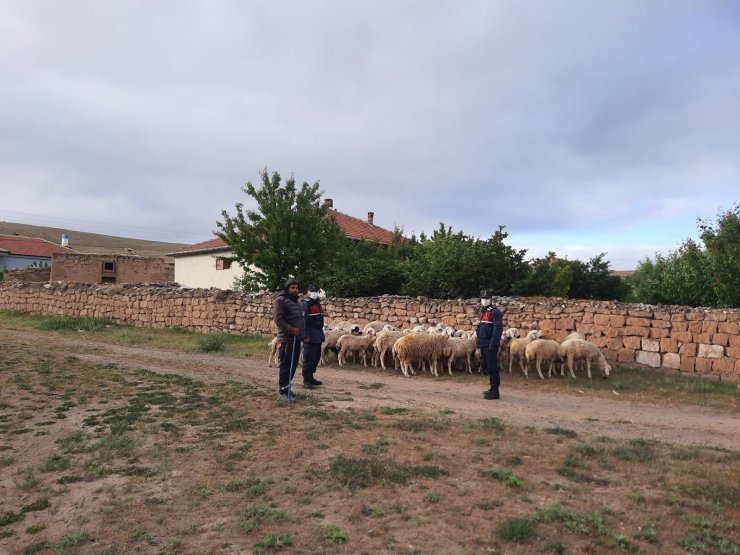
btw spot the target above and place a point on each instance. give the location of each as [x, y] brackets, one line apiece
[458, 347]
[442, 329]
[384, 342]
[347, 327]
[577, 349]
[272, 346]
[517, 349]
[574, 335]
[506, 338]
[330, 342]
[350, 343]
[542, 350]
[420, 347]
[377, 325]
[421, 328]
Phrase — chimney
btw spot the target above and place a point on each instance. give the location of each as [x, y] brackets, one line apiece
[65, 240]
[370, 216]
[329, 202]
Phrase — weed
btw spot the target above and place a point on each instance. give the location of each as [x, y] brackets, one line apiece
[588, 523]
[373, 511]
[517, 530]
[35, 529]
[580, 477]
[55, 462]
[558, 431]
[434, 497]
[621, 543]
[376, 385]
[648, 533]
[427, 471]
[726, 495]
[70, 541]
[393, 410]
[503, 475]
[316, 413]
[556, 547]
[513, 460]
[10, 518]
[255, 514]
[377, 448]
[638, 450]
[73, 323]
[490, 505]
[39, 505]
[6, 461]
[140, 534]
[423, 424]
[363, 473]
[275, 541]
[330, 533]
[69, 479]
[73, 443]
[6, 533]
[211, 343]
[488, 423]
[37, 547]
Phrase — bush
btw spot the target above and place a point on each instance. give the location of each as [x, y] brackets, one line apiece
[212, 343]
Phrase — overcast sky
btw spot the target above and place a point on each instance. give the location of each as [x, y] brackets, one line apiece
[581, 126]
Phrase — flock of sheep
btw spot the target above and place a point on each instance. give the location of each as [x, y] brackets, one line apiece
[425, 347]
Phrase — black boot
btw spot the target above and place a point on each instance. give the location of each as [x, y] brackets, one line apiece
[314, 381]
[491, 394]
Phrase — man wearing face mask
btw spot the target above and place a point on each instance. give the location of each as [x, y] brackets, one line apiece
[286, 312]
[490, 328]
[313, 316]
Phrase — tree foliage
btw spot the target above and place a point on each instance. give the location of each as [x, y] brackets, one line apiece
[694, 275]
[288, 235]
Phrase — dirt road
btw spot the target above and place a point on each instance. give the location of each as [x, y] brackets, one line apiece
[585, 412]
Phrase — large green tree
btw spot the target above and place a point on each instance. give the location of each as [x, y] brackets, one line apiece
[289, 234]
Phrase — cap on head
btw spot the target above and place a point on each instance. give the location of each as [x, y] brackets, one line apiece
[485, 294]
[290, 282]
[313, 288]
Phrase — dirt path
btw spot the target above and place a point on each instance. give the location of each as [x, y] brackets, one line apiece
[618, 417]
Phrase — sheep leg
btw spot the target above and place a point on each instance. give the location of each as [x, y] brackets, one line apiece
[570, 366]
[449, 363]
[470, 367]
[539, 370]
[588, 368]
[523, 366]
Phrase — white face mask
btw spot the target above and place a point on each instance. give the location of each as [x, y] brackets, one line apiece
[313, 295]
[485, 302]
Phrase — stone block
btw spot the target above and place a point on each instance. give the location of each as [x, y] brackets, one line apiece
[637, 330]
[724, 365]
[617, 321]
[678, 317]
[662, 324]
[696, 327]
[640, 313]
[668, 345]
[720, 339]
[679, 326]
[733, 352]
[731, 328]
[601, 319]
[693, 316]
[648, 358]
[709, 326]
[614, 344]
[632, 342]
[626, 356]
[710, 351]
[704, 365]
[672, 360]
[651, 345]
[683, 336]
[645, 322]
[734, 341]
[659, 333]
[688, 364]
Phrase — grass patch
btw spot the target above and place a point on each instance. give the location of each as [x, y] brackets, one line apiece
[638, 450]
[558, 431]
[517, 530]
[363, 473]
[6, 461]
[505, 476]
[256, 514]
[70, 541]
[331, 534]
[376, 385]
[488, 423]
[422, 424]
[10, 518]
[73, 323]
[272, 542]
[211, 343]
[589, 524]
[377, 448]
[39, 505]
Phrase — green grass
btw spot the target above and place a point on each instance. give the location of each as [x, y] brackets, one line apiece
[272, 542]
[505, 476]
[517, 530]
[331, 534]
[558, 431]
[73, 323]
[356, 473]
[211, 343]
[488, 423]
[256, 514]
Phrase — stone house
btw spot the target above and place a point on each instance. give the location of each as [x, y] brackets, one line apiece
[110, 268]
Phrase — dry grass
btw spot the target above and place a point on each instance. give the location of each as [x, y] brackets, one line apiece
[103, 459]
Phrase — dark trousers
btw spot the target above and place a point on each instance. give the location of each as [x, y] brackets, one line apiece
[489, 358]
[311, 356]
[288, 354]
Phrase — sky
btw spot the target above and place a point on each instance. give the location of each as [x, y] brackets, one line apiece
[582, 127]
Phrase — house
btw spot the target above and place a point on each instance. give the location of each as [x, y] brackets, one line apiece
[211, 264]
[110, 268]
[18, 252]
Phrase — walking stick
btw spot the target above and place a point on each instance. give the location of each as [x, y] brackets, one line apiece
[292, 370]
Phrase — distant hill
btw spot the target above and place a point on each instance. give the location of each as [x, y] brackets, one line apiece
[84, 242]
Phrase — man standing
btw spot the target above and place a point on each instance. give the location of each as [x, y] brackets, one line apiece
[286, 312]
[490, 328]
[313, 316]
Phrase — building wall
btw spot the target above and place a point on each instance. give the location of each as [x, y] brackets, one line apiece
[199, 271]
[701, 342]
[15, 262]
[30, 275]
[89, 268]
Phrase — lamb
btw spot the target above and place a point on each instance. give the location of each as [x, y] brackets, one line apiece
[422, 348]
[542, 350]
[506, 338]
[347, 327]
[458, 347]
[330, 342]
[574, 335]
[574, 350]
[273, 348]
[377, 325]
[384, 342]
[350, 343]
[518, 347]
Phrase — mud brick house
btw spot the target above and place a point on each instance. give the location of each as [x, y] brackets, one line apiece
[110, 268]
[17, 252]
[211, 264]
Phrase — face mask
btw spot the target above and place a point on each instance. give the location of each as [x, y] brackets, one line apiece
[485, 302]
[313, 295]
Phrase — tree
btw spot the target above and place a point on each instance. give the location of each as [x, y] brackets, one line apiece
[722, 242]
[288, 235]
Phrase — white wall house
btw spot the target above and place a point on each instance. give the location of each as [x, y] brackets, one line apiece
[209, 264]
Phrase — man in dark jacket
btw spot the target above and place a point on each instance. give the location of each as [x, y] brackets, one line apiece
[490, 328]
[313, 337]
[286, 312]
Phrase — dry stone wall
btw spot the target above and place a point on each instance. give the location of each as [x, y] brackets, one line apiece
[704, 342]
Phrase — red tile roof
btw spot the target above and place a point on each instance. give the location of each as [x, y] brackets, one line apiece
[30, 246]
[353, 228]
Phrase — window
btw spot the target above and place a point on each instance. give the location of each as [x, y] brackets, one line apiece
[223, 263]
[109, 267]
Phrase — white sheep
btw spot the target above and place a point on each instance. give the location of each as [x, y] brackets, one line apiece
[542, 350]
[574, 335]
[517, 349]
[330, 342]
[273, 348]
[384, 342]
[506, 338]
[377, 325]
[350, 343]
[458, 348]
[421, 348]
[574, 350]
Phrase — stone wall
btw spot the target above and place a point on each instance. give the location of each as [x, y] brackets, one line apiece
[699, 341]
[110, 268]
[31, 275]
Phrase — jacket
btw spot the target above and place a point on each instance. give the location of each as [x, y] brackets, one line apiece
[313, 317]
[286, 312]
[490, 328]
